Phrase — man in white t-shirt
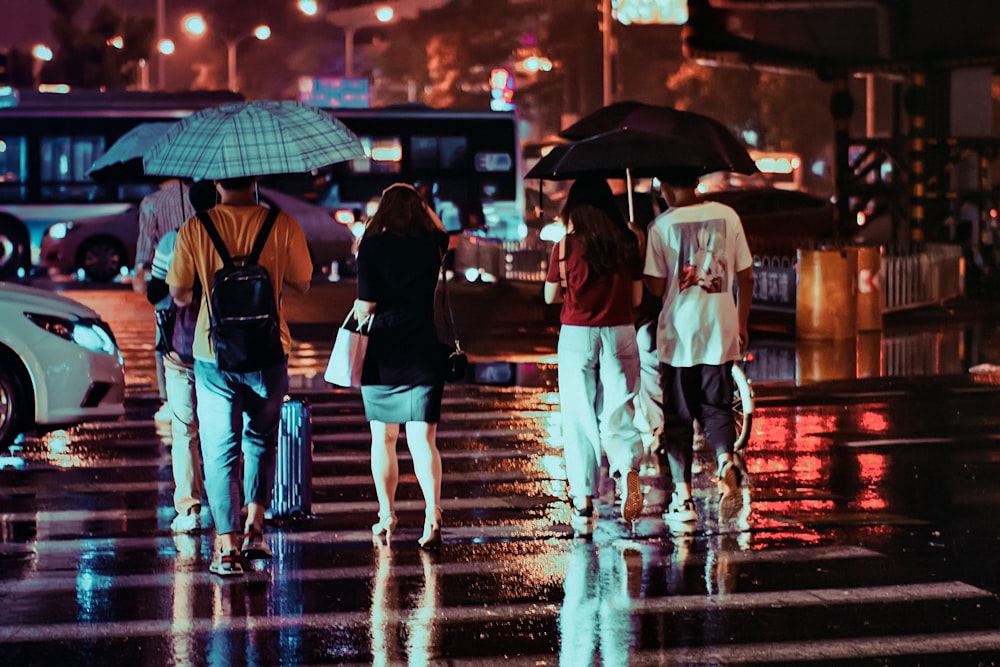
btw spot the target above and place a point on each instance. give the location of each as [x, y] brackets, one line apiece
[694, 251]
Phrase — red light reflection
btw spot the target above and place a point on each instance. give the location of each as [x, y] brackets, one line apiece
[874, 422]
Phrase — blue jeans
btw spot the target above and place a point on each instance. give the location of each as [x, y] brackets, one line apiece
[185, 447]
[238, 412]
[598, 381]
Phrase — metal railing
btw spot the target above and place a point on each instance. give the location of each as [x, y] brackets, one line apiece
[914, 278]
[929, 276]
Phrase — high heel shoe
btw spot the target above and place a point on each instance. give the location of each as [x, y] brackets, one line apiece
[386, 524]
[432, 531]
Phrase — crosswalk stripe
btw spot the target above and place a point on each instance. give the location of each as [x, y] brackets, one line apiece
[806, 651]
[318, 481]
[54, 581]
[473, 614]
[72, 516]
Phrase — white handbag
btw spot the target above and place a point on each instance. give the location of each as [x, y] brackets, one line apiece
[348, 355]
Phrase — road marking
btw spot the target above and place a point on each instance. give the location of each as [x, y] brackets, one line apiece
[824, 598]
[894, 442]
[807, 651]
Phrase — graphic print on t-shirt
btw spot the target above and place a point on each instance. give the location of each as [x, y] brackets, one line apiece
[703, 256]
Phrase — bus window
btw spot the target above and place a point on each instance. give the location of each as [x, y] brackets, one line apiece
[781, 170]
[454, 152]
[385, 155]
[438, 152]
[64, 164]
[13, 168]
[423, 152]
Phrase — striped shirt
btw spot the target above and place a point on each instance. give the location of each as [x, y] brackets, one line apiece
[160, 212]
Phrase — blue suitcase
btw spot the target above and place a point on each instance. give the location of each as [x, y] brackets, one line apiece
[292, 496]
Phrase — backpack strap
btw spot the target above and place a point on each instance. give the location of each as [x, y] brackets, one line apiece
[258, 244]
[562, 262]
[213, 233]
[265, 229]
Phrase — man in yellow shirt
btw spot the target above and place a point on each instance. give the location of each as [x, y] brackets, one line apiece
[238, 411]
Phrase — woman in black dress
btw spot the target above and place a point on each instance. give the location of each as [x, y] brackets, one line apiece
[399, 260]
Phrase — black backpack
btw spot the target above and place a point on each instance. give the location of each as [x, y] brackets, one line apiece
[243, 315]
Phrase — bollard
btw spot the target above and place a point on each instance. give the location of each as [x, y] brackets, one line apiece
[826, 300]
[821, 360]
[869, 354]
[869, 288]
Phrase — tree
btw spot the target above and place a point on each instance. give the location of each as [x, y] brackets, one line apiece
[460, 43]
[86, 58]
[785, 111]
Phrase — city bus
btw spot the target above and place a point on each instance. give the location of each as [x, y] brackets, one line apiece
[48, 142]
[468, 161]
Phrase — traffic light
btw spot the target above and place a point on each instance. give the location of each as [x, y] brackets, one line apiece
[4, 71]
[501, 90]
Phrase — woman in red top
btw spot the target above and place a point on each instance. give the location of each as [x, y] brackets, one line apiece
[597, 273]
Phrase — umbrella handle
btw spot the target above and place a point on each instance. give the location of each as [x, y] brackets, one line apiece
[628, 185]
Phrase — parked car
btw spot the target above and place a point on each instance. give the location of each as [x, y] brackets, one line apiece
[103, 248]
[777, 213]
[59, 364]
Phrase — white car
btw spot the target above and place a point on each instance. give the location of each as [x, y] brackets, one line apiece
[59, 364]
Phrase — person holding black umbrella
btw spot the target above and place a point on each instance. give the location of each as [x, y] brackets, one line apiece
[694, 250]
[597, 272]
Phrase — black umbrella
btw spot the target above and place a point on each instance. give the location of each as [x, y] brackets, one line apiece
[612, 154]
[619, 153]
[719, 148]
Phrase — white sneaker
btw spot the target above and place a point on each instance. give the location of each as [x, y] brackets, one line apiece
[186, 523]
[680, 511]
[164, 414]
[584, 519]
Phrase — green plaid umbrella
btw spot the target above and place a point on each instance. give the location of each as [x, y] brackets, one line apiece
[252, 139]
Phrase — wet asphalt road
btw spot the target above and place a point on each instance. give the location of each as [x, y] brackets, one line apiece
[868, 533]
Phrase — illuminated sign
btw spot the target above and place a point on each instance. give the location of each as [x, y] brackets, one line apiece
[672, 12]
[334, 92]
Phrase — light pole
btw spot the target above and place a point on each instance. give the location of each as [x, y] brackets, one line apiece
[352, 19]
[161, 45]
[194, 24]
[261, 32]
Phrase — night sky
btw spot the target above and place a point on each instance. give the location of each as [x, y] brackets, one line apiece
[26, 22]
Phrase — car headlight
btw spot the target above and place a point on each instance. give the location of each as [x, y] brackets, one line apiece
[86, 332]
[60, 230]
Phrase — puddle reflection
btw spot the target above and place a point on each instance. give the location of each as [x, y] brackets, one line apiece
[595, 623]
[942, 351]
[393, 617]
[183, 647]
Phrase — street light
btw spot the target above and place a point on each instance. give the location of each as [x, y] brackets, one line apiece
[353, 19]
[42, 54]
[194, 24]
